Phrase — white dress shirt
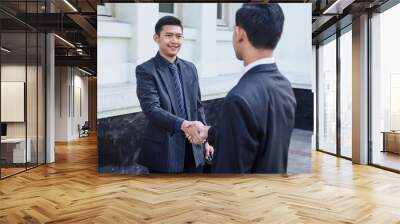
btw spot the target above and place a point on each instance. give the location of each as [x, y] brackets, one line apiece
[261, 61]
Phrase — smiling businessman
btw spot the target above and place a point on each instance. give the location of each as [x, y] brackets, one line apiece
[169, 95]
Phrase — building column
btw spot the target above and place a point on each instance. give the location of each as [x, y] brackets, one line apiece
[50, 98]
[315, 92]
[205, 23]
[141, 42]
[92, 98]
[360, 90]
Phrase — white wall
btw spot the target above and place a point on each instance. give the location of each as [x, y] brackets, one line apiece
[14, 72]
[121, 42]
[17, 73]
[294, 51]
[125, 40]
[70, 83]
[61, 103]
[81, 103]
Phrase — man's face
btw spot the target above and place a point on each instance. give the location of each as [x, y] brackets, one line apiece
[170, 40]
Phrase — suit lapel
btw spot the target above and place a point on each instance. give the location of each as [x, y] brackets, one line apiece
[168, 84]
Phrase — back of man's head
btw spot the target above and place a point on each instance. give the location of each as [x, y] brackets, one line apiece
[263, 24]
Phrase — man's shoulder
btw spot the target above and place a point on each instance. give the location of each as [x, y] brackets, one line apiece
[147, 64]
[147, 67]
[264, 77]
[187, 63]
[251, 87]
[235, 96]
[245, 87]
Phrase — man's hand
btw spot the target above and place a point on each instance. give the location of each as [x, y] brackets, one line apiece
[191, 132]
[209, 151]
[197, 133]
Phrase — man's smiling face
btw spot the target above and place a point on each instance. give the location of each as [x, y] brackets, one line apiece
[169, 40]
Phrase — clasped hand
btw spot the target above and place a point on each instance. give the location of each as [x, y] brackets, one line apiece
[195, 131]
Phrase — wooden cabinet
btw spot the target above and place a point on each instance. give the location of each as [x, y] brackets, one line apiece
[391, 142]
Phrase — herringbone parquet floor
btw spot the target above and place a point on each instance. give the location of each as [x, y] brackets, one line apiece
[71, 191]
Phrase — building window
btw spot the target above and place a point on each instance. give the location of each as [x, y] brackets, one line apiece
[346, 94]
[22, 87]
[385, 89]
[170, 9]
[221, 14]
[219, 10]
[327, 96]
[166, 8]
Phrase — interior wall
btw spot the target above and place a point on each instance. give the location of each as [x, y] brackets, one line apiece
[17, 73]
[80, 102]
[62, 81]
[71, 102]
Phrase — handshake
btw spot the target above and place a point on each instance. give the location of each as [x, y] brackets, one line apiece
[195, 131]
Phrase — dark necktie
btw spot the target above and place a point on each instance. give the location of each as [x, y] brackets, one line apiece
[178, 91]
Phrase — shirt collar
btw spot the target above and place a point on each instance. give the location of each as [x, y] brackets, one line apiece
[165, 62]
[261, 61]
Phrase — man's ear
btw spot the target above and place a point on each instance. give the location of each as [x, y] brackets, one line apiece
[239, 33]
[156, 38]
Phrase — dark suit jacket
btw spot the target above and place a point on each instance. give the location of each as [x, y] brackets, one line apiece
[162, 148]
[252, 134]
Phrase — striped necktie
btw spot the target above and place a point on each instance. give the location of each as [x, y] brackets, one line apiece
[178, 91]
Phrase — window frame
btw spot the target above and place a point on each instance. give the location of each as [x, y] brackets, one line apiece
[222, 22]
[174, 8]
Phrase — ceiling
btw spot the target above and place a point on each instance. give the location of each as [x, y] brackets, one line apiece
[332, 15]
[74, 22]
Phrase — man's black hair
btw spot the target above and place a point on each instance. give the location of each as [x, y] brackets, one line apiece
[263, 23]
[167, 20]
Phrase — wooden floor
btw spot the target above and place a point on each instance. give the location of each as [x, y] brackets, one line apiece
[71, 191]
[5, 172]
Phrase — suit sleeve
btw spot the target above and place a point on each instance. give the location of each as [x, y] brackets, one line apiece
[212, 135]
[235, 137]
[150, 101]
[200, 109]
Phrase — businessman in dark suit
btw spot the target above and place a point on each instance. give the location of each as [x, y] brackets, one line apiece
[252, 134]
[169, 95]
